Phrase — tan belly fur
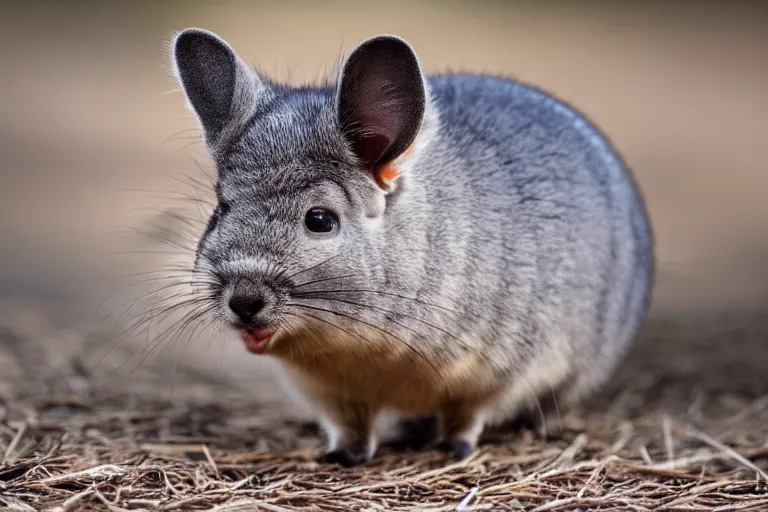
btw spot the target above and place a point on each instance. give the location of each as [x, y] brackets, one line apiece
[364, 364]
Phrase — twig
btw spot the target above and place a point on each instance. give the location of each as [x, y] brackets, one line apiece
[714, 443]
[568, 455]
[469, 498]
[14, 443]
[625, 434]
[666, 427]
[99, 472]
[208, 456]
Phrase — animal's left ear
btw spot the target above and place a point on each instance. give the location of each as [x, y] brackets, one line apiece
[381, 103]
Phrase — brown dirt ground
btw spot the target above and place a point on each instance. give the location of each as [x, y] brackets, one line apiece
[684, 424]
[667, 436]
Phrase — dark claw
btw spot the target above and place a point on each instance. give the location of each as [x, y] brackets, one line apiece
[459, 448]
[342, 457]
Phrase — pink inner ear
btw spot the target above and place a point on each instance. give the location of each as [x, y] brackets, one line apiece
[370, 146]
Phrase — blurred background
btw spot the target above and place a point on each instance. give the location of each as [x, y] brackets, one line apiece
[94, 136]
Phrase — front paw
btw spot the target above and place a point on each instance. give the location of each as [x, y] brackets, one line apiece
[343, 457]
[458, 448]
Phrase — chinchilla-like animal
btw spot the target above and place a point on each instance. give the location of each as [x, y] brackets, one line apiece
[457, 246]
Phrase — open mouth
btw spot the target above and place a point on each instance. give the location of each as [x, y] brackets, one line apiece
[257, 340]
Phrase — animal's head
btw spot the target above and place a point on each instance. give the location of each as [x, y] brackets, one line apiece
[305, 175]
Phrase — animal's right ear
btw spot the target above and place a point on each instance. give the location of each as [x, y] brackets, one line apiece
[221, 89]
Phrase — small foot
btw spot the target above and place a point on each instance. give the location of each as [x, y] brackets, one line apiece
[343, 457]
[459, 448]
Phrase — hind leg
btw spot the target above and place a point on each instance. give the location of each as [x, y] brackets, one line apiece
[462, 424]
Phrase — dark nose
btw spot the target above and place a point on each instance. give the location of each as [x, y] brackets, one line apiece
[246, 300]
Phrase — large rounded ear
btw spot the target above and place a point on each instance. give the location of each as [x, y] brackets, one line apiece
[381, 101]
[220, 87]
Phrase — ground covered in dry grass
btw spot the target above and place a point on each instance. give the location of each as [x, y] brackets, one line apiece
[685, 427]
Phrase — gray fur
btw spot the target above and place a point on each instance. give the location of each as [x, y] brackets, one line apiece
[516, 232]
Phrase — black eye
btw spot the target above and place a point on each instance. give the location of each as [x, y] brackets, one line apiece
[319, 220]
[221, 209]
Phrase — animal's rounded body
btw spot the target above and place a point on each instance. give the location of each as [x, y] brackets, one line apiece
[459, 245]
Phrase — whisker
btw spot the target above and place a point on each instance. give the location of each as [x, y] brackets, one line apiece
[223, 348]
[175, 135]
[159, 312]
[200, 202]
[203, 171]
[199, 141]
[173, 195]
[390, 294]
[170, 272]
[168, 334]
[203, 186]
[138, 252]
[537, 402]
[155, 291]
[188, 181]
[383, 331]
[178, 366]
[193, 337]
[302, 285]
[327, 322]
[187, 220]
[145, 321]
[155, 237]
[389, 311]
[155, 344]
[177, 119]
[214, 334]
[395, 322]
[149, 325]
[176, 280]
[117, 340]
